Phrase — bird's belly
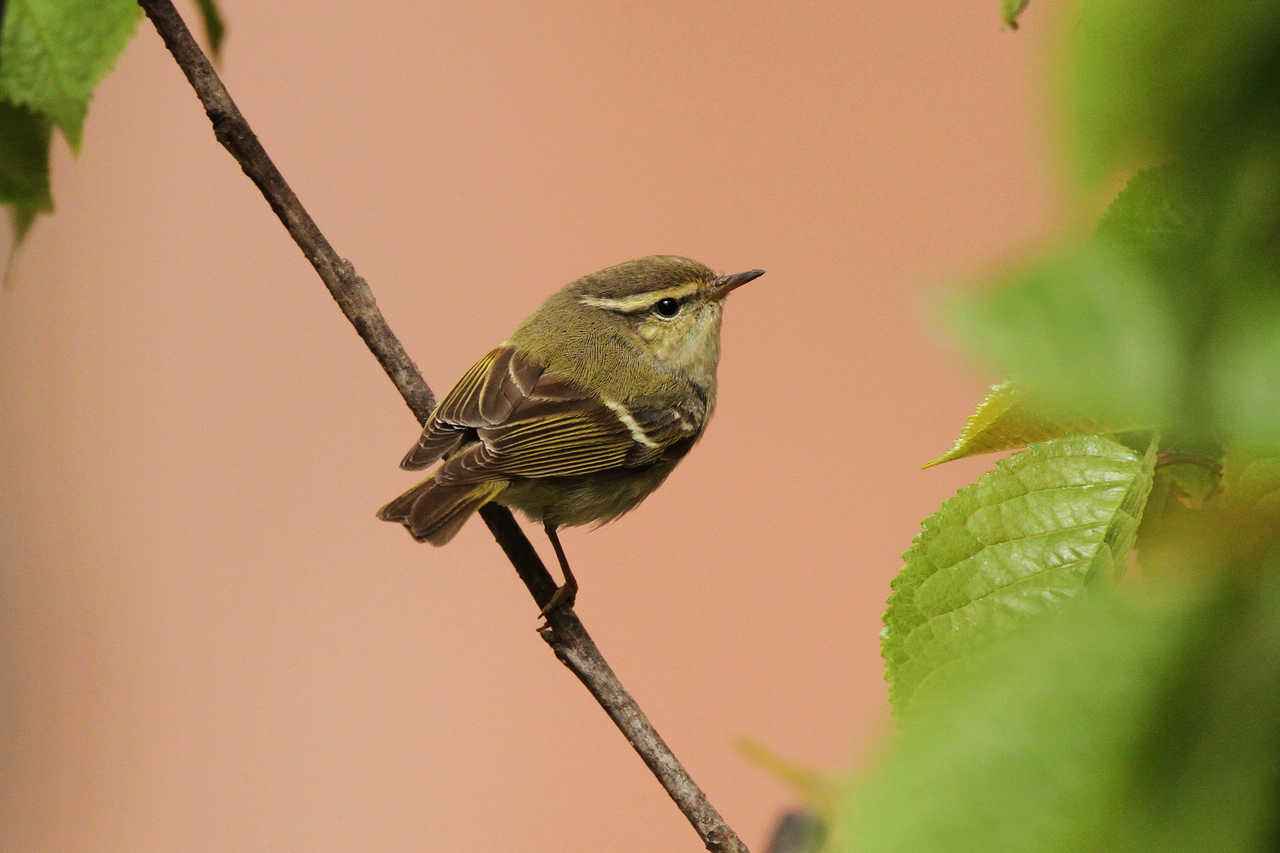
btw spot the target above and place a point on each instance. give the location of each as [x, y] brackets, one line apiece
[571, 501]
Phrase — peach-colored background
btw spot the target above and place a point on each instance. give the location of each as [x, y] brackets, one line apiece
[210, 644]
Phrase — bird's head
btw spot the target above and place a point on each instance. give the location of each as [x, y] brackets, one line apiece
[672, 306]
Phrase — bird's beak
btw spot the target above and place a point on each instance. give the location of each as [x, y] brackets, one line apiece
[723, 285]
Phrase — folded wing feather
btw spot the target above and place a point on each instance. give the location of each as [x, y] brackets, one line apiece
[507, 417]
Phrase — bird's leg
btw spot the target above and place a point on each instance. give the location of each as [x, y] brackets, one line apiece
[567, 593]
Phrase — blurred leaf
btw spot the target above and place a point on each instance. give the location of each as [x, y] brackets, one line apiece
[1209, 775]
[1245, 356]
[1020, 542]
[1010, 10]
[1159, 78]
[818, 790]
[55, 51]
[1179, 535]
[1091, 330]
[24, 165]
[1239, 524]
[214, 27]
[1008, 418]
[1192, 483]
[1113, 727]
[1159, 211]
[1245, 249]
[22, 218]
[1251, 483]
[797, 832]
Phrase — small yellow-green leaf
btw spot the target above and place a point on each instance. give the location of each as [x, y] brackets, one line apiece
[818, 790]
[1010, 10]
[1008, 418]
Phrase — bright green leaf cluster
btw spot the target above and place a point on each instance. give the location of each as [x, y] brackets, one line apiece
[52, 55]
[53, 52]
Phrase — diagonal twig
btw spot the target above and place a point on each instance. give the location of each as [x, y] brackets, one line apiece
[564, 632]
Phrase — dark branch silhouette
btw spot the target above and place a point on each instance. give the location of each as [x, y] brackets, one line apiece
[564, 632]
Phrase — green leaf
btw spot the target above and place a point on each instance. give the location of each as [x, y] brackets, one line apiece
[1161, 78]
[24, 165]
[55, 51]
[24, 158]
[1008, 418]
[22, 218]
[1243, 359]
[1113, 727]
[1020, 542]
[1251, 483]
[1010, 10]
[1160, 211]
[1191, 482]
[214, 27]
[1090, 329]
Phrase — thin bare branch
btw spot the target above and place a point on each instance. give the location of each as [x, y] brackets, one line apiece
[564, 632]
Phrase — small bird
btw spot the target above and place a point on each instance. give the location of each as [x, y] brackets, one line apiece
[583, 412]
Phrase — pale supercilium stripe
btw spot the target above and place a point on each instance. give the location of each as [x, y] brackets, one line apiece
[640, 301]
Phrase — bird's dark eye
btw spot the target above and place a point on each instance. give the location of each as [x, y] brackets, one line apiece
[666, 307]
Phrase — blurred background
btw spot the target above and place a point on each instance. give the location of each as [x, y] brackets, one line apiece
[210, 642]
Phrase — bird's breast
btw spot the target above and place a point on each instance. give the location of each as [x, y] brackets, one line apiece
[590, 499]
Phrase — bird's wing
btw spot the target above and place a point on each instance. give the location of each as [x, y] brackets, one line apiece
[527, 422]
[484, 396]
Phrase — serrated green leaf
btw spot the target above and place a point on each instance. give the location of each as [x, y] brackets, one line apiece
[24, 166]
[214, 27]
[1010, 10]
[1008, 418]
[1090, 329]
[1113, 727]
[53, 52]
[1020, 542]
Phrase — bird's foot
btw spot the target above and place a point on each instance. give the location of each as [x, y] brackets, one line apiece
[564, 596]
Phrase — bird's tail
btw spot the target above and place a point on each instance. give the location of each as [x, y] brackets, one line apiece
[435, 512]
